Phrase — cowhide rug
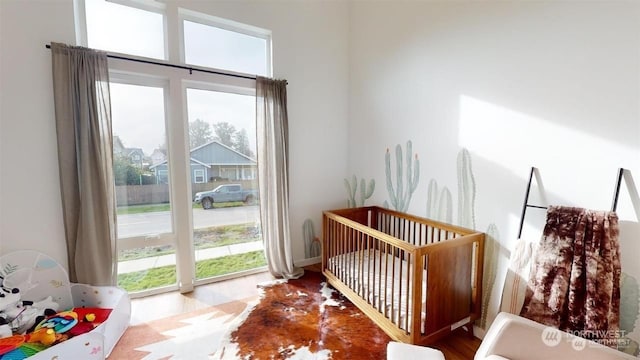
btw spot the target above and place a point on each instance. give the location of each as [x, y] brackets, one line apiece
[303, 319]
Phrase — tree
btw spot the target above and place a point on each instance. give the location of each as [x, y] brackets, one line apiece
[225, 133]
[124, 172]
[199, 133]
[241, 143]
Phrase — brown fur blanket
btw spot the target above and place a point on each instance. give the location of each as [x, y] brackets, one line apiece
[575, 281]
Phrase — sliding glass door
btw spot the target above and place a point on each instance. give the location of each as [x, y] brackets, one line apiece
[179, 132]
[224, 184]
[146, 249]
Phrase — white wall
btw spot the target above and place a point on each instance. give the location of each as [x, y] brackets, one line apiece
[549, 84]
[30, 205]
[309, 50]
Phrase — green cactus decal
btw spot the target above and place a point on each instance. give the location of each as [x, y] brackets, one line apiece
[444, 207]
[629, 302]
[491, 252]
[439, 205]
[311, 242]
[365, 191]
[629, 311]
[432, 199]
[351, 191]
[466, 191]
[400, 198]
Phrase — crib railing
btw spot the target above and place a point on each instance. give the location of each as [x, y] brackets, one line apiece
[393, 266]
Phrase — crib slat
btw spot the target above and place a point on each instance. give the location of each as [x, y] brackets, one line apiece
[408, 294]
[393, 272]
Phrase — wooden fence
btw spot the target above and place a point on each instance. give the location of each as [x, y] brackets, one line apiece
[159, 193]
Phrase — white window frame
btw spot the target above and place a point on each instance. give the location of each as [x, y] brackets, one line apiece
[248, 173]
[226, 24]
[199, 173]
[176, 121]
[80, 16]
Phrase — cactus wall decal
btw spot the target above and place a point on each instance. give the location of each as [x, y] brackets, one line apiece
[399, 197]
[366, 190]
[444, 207]
[491, 251]
[432, 199]
[629, 302]
[439, 206]
[466, 191]
[311, 242]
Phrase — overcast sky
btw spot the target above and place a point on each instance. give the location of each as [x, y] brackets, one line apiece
[138, 112]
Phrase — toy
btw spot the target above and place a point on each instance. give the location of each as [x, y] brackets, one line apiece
[43, 336]
[8, 298]
[10, 343]
[60, 323]
[39, 276]
[18, 316]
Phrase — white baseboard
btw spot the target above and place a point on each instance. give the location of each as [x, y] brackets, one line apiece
[307, 262]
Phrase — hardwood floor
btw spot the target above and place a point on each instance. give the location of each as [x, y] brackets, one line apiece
[163, 305]
[458, 346]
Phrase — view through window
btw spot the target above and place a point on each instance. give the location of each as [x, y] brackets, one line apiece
[162, 246]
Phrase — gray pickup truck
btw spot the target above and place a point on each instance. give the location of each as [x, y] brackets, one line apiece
[225, 193]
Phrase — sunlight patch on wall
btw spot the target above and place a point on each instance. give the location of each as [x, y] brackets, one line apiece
[511, 138]
[574, 165]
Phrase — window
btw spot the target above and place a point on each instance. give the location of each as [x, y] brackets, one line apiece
[198, 176]
[156, 219]
[125, 29]
[248, 173]
[162, 177]
[215, 47]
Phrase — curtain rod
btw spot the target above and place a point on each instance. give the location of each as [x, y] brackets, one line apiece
[191, 69]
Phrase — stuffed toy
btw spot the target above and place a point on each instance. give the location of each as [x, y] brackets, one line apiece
[20, 316]
[8, 298]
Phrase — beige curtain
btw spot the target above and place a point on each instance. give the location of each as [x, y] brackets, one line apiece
[83, 125]
[273, 163]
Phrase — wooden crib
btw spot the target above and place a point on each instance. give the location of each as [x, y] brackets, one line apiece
[416, 278]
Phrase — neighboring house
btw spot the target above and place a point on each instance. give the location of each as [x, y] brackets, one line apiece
[211, 161]
[135, 155]
[158, 156]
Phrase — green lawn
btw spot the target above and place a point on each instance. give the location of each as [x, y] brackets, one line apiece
[204, 238]
[166, 275]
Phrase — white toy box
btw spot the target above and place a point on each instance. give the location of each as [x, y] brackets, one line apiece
[39, 276]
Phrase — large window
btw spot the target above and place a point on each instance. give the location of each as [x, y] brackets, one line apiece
[215, 47]
[130, 30]
[178, 134]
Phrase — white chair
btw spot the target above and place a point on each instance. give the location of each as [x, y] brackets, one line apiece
[514, 337]
[401, 351]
